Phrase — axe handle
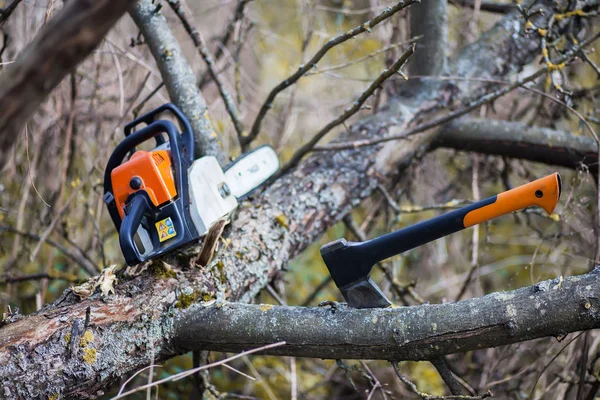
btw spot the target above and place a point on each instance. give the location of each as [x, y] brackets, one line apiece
[543, 192]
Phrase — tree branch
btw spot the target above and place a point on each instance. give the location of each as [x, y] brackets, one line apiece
[429, 21]
[421, 332]
[209, 59]
[7, 11]
[350, 111]
[62, 44]
[518, 140]
[177, 75]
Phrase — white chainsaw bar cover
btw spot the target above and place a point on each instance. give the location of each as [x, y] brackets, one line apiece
[251, 170]
[210, 196]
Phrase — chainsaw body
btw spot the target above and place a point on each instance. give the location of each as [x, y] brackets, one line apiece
[163, 199]
[148, 195]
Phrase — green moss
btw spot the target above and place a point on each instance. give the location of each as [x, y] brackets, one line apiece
[282, 220]
[54, 396]
[209, 296]
[185, 300]
[221, 269]
[162, 270]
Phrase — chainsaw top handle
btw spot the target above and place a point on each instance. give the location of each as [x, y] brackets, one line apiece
[180, 164]
[150, 117]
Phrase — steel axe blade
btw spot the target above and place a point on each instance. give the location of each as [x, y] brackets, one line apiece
[350, 263]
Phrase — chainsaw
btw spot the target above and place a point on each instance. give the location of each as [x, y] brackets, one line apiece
[163, 199]
[350, 263]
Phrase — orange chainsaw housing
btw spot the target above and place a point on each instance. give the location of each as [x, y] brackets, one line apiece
[154, 170]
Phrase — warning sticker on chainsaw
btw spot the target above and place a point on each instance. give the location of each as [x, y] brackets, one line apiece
[165, 229]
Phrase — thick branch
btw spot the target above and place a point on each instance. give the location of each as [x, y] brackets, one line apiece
[489, 6]
[429, 20]
[62, 44]
[518, 140]
[422, 332]
[177, 75]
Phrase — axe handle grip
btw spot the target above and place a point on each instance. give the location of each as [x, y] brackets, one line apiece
[543, 192]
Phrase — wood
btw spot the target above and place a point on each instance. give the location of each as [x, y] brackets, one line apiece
[423, 332]
[519, 140]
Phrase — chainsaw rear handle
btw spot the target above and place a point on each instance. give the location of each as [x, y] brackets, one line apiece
[187, 134]
[135, 139]
[349, 262]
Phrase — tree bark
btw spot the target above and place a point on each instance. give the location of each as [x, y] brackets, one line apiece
[178, 76]
[424, 332]
[62, 44]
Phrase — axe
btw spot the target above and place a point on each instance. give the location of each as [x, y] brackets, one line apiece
[350, 263]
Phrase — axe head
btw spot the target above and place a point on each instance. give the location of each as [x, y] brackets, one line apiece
[350, 267]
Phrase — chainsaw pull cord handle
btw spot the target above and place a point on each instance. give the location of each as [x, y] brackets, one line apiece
[135, 139]
[187, 135]
[543, 192]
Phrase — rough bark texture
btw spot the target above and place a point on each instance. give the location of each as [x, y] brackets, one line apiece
[549, 308]
[177, 74]
[518, 140]
[137, 321]
[62, 44]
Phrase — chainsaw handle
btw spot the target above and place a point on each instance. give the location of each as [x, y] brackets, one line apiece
[543, 192]
[138, 206]
[187, 135]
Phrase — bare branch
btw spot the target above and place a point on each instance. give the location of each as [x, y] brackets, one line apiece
[413, 388]
[367, 26]
[518, 140]
[549, 308]
[177, 75]
[485, 99]
[429, 21]
[209, 59]
[350, 111]
[489, 6]
[240, 10]
[7, 11]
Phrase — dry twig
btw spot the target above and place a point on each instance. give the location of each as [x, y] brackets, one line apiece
[268, 104]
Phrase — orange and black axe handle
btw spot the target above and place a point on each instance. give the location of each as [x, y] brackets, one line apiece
[350, 263]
